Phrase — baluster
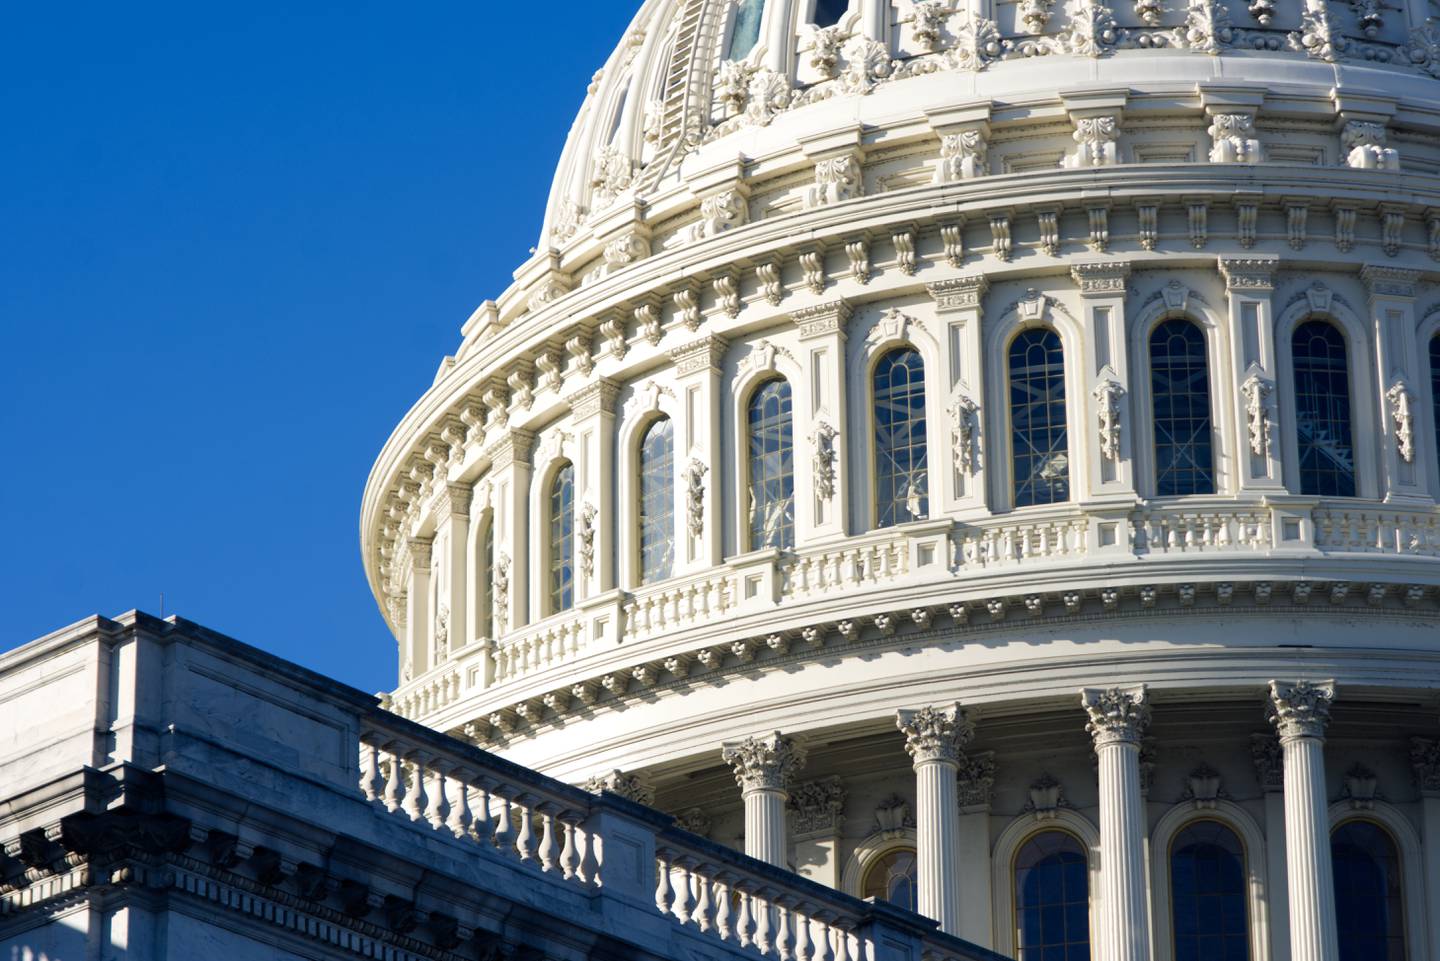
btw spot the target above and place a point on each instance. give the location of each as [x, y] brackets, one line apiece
[744, 919]
[680, 881]
[394, 782]
[802, 934]
[782, 932]
[589, 857]
[761, 909]
[372, 781]
[504, 833]
[548, 849]
[569, 856]
[822, 940]
[416, 802]
[525, 839]
[460, 814]
[662, 882]
[842, 944]
[482, 828]
[722, 907]
[437, 812]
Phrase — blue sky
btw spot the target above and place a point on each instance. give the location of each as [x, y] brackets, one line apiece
[235, 242]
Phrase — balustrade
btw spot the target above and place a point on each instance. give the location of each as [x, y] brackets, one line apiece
[679, 603]
[1167, 530]
[1377, 531]
[840, 568]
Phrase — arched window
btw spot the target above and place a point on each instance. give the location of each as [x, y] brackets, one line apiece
[1180, 398]
[772, 467]
[1435, 387]
[1052, 898]
[562, 540]
[828, 12]
[902, 488]
[892, 878]
[484, 588]
[1322, 410]
[657, 501]
[1208, 893]
[1040, 450]
[1368, 904]
[745, 29]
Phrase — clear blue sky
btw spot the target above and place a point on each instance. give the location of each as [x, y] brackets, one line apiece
[235, 242]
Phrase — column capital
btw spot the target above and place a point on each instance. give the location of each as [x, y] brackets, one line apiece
[513, 448]
[1118, 715]
[1249, 273]
[593, 399]
[420, 552]
[632, 787]
[1386, 281]
[1101, 279]
[765, 763]
[703, 354]
[935, 733]
[960, 293]
[1301, 709]
[827, 318]
[454, 500]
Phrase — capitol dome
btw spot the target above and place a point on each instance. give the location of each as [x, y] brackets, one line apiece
[977, 454]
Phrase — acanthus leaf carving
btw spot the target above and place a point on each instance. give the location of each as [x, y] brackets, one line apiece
[1400, 397]
[817, 806]
[695, 496]
[962, 156]
[588, 515]
[1107, 400]
[936, 733]
[1301, 709]
[1258, 412]
[1098, 139]
[824, 437]
[1116, 714]
[964, 435]
[765, 763]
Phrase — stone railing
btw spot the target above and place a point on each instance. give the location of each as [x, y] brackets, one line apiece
[1009, 541]
[424, 695]
[552, 641]
[1169, 530]
[679, 603]
[867, 561]
[1345, 530]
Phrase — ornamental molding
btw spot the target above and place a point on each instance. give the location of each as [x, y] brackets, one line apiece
[646, 400]
[1389, 281]
[1259, 411]
[1107, 407]
[962, 156]
[594, 398]
[586, 529]
[818, 807]
[1203, 788]
[1117, 715]
[1399, 399]
[1249, 273]
[765, 763]
[892, 325]
[1300, 709]
[1233, 138]
[705, 354]
[827, 318]
[1100, 279]
[976, 782]
[1047, 797]
[1425, 763]
[762, 358]
[824, 459]
[632, 787]
[695, 473]
[959, 294]
[935, 733]
[893, 817]
[1268, 759]
[965, 436]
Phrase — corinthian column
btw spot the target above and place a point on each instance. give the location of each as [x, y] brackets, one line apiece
[764, 767]
[1299, 712]
[934, 737]
[1118, 718]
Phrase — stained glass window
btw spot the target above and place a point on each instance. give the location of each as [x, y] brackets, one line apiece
[772, 467]
[1322, 410]
[1052, 898]
[484, 588]
[1180, 394]
[892, 878]
[1368, 904]
[902, 488]
[1040, 451]
[1208, 894]
[657, 501]
[829, 12]
[745, 29]
[562, 540]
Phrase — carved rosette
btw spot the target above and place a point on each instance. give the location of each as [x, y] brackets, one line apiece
[1301, 709]
[1118, 715]
[632, 787]
[818, 806]
[766, 763]
[936, 733]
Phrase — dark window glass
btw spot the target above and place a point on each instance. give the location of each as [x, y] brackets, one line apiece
[901, 468]
[1435, 387]
[657, 501]
[892, 878]
[562, 540]
[1207, 894]
[1180, 394]
[1037, 418]
[745, 29]
[1322, 411]
[1052, 899]
[1368, 903]
[829, 12]
[772, 467]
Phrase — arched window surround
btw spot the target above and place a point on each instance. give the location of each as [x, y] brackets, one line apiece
[1407, 842]
[999, 447]
[1002, 869]
[1252, 839]
[1364, 412]
[1427, 457]
[867, 852]
[479, 591]
[637, 420]
[750, 378]
[1222, 403]
[904, 331]
[558, 450]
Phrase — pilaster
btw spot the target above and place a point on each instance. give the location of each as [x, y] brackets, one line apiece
[510, 470]
[1406, 449]
[822, 330]
[764, 768]
[817, 812]
[959, 304]
[1249, 288]
[1110, 431]
[934, 739]
[453, 510]
[976, 786]
[418, 618]
[592, 412]
[1425, 760]
[1267, 756]
[1118, 720]
[697, 506]
[1300, 712]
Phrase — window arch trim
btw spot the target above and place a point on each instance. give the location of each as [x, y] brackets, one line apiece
[1075, 458]
[641, 408]
[1408, 846]
[868, 852]
[749, 379]
[1002, 869]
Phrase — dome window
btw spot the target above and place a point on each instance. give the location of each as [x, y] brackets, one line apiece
[745, 28]
[1040, 447]
[1180, 397]
[828, 12]
[1322, 410]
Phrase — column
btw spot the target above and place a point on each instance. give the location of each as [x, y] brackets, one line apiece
[958, 303]
[822, 340]
[976, 788]
[764, 767]
[417, 618]
[1118, 718]
[453, 511]
[1249, 284]
[1425, 759]
[1299, 712]
[1398, 371]
[592, 412]
[510, 487]
[697, 470]
[1109, 438]
[934, 738]
[1266, 755]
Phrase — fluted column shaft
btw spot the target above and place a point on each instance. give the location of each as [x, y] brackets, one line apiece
[764, 767]
[934, 737]
[1118, 718]
[1299, 712]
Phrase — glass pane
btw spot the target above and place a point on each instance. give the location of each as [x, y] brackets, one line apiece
[657, 501]
[1052, 898]
[1037, 418]
[892, 878]
[745, 31]
[1368, 902]
[829, 12]
[1180, 388]
[902, 487]
[1322, 411]
[562, 540]
[772, 467]
[1208, 893]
